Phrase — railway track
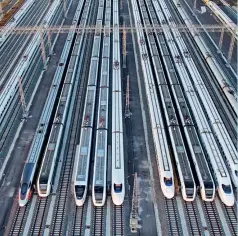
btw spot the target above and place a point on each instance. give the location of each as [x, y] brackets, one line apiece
[19, 220]
[37, 226]
[192, 218]
[98, 221]
[172, 217]
[78, 226]
[118, 220]
[14, 47]
[212, 218]
[231, 216]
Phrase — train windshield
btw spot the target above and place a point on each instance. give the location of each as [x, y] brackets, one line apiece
[226, 188]
[189, 186]
[79, 191]
[168, 181]
[117, 188]
[209, 189]
[24, 189]
[98, 189]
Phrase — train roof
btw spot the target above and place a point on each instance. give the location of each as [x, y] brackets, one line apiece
[27, 172]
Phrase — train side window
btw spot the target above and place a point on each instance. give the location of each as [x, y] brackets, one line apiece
[226, 188]
[117, 188]
[168, 181]
[236, 172]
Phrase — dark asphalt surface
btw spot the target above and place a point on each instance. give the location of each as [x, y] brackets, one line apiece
[15, 166]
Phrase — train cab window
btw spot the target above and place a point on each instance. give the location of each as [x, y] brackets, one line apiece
[98, 189]
[24, 188]
[236, 172]
[168, 181]
[79, 190]
[226, 188]
[117, 188]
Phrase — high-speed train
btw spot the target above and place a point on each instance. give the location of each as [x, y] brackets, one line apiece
[82, 157]
[207, 136]
[215, 118]
[99, 190]
[118, 178]
[160, 140]
[207, 186]
[45, 177]
[188, 186]
[28, 175]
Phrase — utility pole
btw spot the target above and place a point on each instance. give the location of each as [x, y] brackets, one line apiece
[42, 46]
[124, 45]
[127, 110]
[134, 209]
[1, 10]
[22, 97]
[49, 41]
[231, 47]
[65, 9]
[221, 37]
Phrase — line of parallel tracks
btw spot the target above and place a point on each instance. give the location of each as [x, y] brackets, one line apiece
[212, 218]
[172, 217]
[118, 220]
[192, 218]
[231, 215]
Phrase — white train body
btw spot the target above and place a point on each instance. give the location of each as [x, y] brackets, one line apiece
[159, 136]
[82, 159]
[206, 134]
[118, 178]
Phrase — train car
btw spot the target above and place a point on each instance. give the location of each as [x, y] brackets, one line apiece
[100, 159]
[82, 166]
[118, 178]
[160, 140]
[99, 190]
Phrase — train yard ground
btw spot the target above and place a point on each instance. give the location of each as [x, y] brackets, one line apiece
[58, 213]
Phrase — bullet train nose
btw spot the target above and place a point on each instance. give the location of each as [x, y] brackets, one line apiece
[23, 200]
[118, 199]
[228, 200]
[168, 192]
